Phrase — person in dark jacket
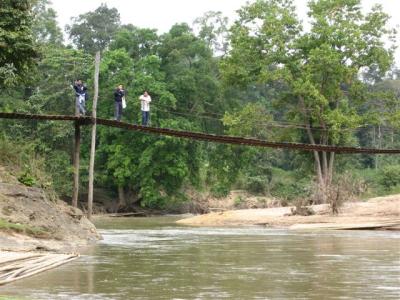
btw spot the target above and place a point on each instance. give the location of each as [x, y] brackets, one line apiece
[80, 97]
[118, 95]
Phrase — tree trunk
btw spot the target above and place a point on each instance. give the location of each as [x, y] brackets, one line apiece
[93, 143]
[325, 170]
[317, 159]
[331, 167]
[121, 197]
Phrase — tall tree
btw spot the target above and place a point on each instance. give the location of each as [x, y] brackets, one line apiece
[213, 29]
[190, 70]
[94, 31]
[320, 68]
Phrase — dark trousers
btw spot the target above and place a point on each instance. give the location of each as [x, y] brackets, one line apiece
[145, 117]
[118, 111]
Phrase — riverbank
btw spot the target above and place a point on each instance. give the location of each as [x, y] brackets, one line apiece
[30, 221]
[353, 215]
[37, 233]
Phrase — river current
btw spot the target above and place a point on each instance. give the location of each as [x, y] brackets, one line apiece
[152, 258]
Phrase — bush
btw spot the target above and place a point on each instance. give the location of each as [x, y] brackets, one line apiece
[389, 176]
[220, 190]
[27, 178]
[238, 201]
[287, 190]
[30, 166]
[257, 184]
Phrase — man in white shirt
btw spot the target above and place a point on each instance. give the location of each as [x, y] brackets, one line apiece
[145, 100]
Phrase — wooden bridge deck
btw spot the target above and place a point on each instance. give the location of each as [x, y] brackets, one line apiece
[198, 135]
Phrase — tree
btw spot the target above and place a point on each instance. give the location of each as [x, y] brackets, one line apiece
[213, 29]
[17, 48]
[45, 27]
[152, 168]
[94, 31]
[138, 42]
[320, 68]
[190, 70]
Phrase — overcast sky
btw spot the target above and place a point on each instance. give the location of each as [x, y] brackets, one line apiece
[162, 14]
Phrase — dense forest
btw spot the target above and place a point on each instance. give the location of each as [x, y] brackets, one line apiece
[262, 75]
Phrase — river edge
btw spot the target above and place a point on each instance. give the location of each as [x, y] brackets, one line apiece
[375, 213]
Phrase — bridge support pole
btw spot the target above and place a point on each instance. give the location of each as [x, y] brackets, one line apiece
[77, 149]
[93, 144]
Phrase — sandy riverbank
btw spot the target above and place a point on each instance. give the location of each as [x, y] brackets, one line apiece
[382, 210]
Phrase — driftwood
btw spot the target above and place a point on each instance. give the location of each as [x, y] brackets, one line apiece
[14, 266]
[119, 215]
[217, 209]
[356, 226]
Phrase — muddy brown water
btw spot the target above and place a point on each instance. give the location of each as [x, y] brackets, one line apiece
[152, 258]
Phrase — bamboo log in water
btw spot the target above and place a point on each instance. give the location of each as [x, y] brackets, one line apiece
[17, 268]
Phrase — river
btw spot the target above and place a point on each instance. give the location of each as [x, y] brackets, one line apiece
[152, 258]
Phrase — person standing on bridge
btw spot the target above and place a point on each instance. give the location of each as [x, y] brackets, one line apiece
[145, 100]
[81, 96]
[119, 95]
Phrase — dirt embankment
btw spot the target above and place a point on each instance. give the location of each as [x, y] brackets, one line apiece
[383, 210]
[29, 221]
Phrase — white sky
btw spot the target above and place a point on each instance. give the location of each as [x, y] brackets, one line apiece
[162, 14]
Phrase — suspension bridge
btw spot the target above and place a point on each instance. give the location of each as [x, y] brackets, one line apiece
[199, 136]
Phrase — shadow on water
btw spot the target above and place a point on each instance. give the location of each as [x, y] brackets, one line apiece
[152, 258]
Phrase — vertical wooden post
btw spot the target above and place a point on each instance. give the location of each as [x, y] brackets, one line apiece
[77, 147]
[93, 144]
[77, 150]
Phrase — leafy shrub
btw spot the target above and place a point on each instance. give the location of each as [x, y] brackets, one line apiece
[389, 176]
[220, 190]
[238, 201]
[27, 178]
[257, 184]
[286, 190]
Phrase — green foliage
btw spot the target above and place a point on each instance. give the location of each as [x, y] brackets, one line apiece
[94, 31]
[26, 178]
[238, 201]
[213, 29]
[137, 42]
[257, 184]
[45, 27]
[220, 189]
[390, 176]
[17, 49]
[318, 68]
[250, 121]
[273, 81]
[21, 228]
[28, 166]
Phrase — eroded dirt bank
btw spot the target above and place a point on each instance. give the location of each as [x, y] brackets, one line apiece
[29, 221]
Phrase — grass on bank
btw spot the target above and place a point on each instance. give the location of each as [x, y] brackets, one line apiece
[24, 229]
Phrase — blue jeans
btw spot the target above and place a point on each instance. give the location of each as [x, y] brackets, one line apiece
[118, 111]
[145, 117]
